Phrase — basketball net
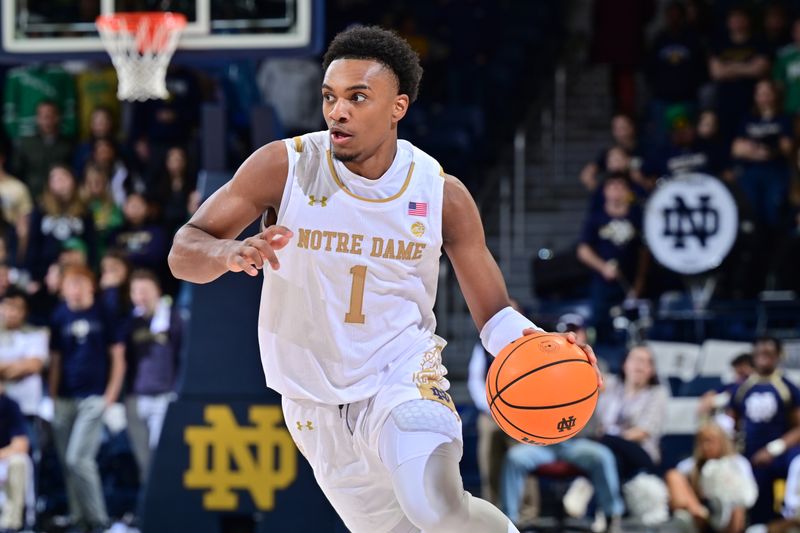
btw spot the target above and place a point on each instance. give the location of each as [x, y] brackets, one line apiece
[141, 45]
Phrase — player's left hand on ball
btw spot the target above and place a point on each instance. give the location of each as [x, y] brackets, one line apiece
[585, 347]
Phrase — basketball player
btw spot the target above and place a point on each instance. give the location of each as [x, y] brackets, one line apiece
[354, 226]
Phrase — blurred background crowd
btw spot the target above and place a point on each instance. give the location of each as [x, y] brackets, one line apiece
[598, 102]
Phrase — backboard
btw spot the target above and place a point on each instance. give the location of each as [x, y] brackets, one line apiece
[34, 30]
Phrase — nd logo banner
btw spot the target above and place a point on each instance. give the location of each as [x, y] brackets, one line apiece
[225, 457]
[232, 466]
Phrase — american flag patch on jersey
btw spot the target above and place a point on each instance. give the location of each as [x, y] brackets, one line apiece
[419, 209]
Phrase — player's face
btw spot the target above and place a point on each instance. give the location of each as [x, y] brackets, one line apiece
[765, 357]
[361, 107]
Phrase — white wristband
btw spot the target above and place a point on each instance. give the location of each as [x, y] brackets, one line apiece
[776, 447]
[503, 328]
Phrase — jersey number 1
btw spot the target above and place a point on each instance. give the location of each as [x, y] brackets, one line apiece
[354, 315]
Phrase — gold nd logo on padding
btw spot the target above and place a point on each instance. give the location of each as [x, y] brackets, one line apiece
[225, 457]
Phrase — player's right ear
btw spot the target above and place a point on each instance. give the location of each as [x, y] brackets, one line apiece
[401, 103]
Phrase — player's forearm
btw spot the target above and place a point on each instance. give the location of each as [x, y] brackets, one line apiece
[197, 256]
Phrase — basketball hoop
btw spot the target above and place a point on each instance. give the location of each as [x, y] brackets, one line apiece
[141, 45]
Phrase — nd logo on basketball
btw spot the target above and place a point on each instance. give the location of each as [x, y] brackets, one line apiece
[566, 424]
[225, 457]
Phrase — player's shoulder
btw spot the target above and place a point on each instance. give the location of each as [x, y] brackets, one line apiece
[314, 142]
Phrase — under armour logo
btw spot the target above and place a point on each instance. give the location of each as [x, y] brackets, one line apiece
[682, 221]
[566, 424]
[308, 425]
[313, 200]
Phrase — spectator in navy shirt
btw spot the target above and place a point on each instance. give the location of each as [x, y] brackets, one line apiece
[738, 59]
[59, 216]
[685, 153]
[144, 242]
[14, 461]
[624, 136]
[762, 148]
[766, 408]
[611, 246]
[676, 67]
[153, 351]
[86, 376]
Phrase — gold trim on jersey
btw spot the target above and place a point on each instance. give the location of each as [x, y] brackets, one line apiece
[298, 144]
[395, 196]
[441, 171]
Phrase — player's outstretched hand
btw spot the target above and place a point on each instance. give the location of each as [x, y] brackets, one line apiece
[585, 347]
[250, 254]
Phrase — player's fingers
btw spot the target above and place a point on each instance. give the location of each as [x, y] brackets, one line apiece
[529, 331]
[277, 236]
[253, 256]
[244, 266]
[570, 336]
[269, 256]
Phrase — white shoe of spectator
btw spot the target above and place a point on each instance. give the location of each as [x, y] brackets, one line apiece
[578, 496]
[600, 522]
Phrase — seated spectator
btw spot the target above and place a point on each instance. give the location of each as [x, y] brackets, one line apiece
[766, 408]
[592, 457]
[719, 398]
[37, 154]
[738, 59]
[16, 208]
[96, 194]
[101, 126]
[14, 464]
[786, 72]
[59, 216]
[23, 353]
[630, 413]
[623, 133]
[713, 488]
[611, 246]
[86, 377]
[153, 352]
[144, 243]
[175, 187]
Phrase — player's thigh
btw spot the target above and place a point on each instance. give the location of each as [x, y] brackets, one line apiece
[350, 475]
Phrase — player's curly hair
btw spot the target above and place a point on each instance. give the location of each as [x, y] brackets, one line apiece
[383, 46]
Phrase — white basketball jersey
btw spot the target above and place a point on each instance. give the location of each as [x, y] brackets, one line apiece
[353, 298]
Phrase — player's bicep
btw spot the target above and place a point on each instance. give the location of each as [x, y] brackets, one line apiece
[478, 275]
[256, 186]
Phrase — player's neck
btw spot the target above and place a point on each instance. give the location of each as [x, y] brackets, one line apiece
[374, 166]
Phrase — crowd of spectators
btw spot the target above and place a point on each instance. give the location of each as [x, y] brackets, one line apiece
[90, 203]
[721, 98]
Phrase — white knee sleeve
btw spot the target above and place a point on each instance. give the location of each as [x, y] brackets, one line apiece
[418, 428]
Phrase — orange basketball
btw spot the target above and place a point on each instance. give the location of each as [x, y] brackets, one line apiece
[542, 389]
